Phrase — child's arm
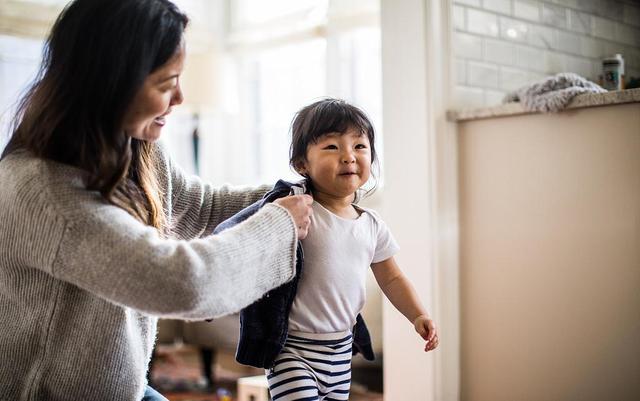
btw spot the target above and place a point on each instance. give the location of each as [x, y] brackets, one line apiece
[397, 288]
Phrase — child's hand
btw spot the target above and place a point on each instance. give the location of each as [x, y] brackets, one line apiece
[427, 330]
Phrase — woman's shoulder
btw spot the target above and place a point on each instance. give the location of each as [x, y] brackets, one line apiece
[22, 167]
[20, 171]
[169, 175]
[19, 162]
[31, 181]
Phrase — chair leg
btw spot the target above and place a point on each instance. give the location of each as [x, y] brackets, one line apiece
[208, 357]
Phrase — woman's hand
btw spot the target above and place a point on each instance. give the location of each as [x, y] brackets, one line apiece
[427, 330]
[299, 207]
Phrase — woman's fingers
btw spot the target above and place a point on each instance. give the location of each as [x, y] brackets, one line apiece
[299, 207]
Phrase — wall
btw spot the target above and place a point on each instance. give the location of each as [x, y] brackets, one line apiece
[550, 256]
[501, 45]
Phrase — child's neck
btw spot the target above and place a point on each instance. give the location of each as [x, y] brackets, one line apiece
[340, 206]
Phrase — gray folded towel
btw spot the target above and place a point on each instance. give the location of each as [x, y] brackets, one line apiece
[552, 94]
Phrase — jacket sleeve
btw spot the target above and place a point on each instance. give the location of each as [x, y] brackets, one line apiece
[239, 217]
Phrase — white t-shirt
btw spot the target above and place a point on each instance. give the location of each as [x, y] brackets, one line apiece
[337, 254]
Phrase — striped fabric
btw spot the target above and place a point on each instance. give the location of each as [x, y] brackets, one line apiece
[312, 367]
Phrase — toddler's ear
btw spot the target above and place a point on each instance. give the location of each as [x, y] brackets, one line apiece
[300, 167]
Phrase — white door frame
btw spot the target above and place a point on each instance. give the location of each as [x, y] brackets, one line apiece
[420, 195]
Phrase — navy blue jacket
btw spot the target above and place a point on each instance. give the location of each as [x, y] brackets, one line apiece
[265, 323]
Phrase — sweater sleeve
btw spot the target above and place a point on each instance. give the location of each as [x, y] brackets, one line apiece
[195, 208]
[107, 252]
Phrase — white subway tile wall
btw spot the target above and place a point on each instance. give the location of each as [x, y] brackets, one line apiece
[542, 36]
[499, 6]
[604, 28]
[502, 45]
[468, 47]
[481, 74]
[475, 3]
[579, 21]
[511, 29]
[554, 15]
[493, 97]
[498, 52]
[527, 9]
[511, 78]
[632, 14]
[469, 97]
[459, 18]
[461, 71]
[482, 23]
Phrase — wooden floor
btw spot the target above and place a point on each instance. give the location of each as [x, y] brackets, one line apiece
[212, 397]
[176, 374]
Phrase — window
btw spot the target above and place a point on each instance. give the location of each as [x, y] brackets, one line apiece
[264, 61]
[285, 55]
[19, 62]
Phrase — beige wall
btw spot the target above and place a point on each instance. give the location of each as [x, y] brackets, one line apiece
[550, 256]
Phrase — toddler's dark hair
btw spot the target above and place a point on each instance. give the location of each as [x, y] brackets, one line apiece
[328, 115]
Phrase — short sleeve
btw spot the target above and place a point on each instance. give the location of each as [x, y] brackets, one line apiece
[386, 245]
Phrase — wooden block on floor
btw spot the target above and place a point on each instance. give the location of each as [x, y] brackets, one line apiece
[254, 388]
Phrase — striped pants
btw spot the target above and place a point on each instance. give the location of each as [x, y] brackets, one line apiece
[312, 366]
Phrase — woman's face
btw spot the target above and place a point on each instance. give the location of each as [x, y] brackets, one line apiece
[161, 91]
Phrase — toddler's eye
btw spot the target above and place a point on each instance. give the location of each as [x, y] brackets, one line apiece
[330, 147]
[361, 146]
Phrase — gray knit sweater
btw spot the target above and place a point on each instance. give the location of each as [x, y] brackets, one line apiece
[82, 283]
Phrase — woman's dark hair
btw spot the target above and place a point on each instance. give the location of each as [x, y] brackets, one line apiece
[327, 116]
[95, 60]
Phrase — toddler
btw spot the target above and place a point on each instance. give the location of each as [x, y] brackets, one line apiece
[305, 332]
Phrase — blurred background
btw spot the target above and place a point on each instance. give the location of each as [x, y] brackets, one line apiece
[251, 64]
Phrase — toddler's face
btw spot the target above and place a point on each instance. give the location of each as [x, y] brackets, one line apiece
[338, 164]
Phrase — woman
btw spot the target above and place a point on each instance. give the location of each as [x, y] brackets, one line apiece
[100, 234]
